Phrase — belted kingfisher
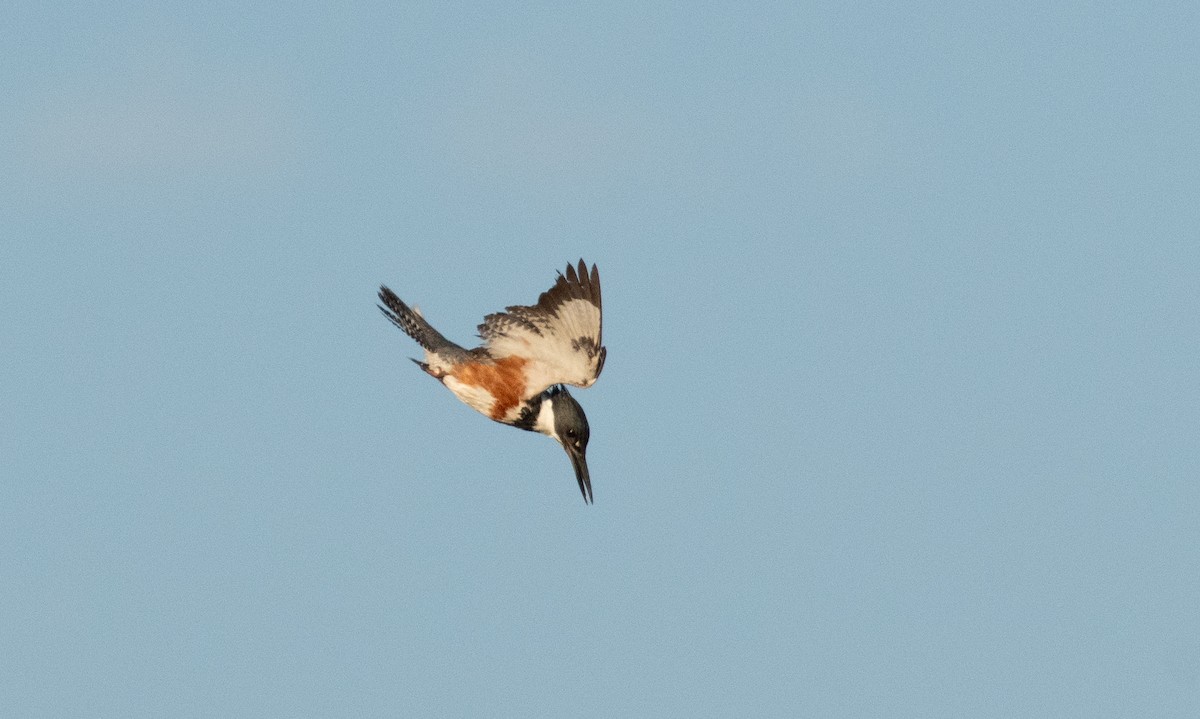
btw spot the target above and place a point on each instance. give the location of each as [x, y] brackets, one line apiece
[529, 352]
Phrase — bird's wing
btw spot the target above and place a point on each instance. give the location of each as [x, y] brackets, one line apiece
[559, 337]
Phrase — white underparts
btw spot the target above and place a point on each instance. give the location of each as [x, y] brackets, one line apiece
[545, 420]
[477, 398]
[438, 364]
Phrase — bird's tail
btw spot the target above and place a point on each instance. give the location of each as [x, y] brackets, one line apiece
[415, 326]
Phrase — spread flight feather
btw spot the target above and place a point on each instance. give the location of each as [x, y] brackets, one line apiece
[560, 336]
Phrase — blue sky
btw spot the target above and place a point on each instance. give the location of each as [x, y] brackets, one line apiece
[900, 410]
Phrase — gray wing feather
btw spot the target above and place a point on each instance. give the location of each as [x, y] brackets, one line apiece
[564, 330]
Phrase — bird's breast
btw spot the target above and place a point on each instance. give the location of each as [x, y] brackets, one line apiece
[494, 388]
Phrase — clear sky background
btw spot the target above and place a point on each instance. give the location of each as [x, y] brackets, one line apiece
[901, 406]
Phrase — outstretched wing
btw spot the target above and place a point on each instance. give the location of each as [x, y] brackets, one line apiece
[559, 337]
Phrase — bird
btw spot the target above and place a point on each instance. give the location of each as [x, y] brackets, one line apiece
[518, 375]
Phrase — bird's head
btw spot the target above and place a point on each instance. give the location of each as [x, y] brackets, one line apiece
[563, 419]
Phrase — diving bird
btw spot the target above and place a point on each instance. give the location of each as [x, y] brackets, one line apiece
[516, 376]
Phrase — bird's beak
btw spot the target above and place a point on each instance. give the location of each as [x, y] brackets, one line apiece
[579, 461]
